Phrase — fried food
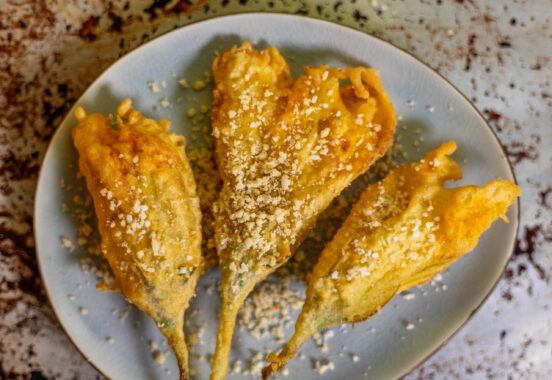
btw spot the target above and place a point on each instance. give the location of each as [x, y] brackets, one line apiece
[285, 149]
[148, 214]
[403, 231]
[208, 184]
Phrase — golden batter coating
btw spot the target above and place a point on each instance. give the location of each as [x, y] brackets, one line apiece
[148, 214]
[285, 149]
[208, 183]
[403, 231]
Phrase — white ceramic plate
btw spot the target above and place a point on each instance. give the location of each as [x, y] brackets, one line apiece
[385, 348]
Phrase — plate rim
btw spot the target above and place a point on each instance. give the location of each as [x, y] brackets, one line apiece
[120, 60]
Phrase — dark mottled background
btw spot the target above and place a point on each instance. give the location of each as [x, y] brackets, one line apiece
[497, 53]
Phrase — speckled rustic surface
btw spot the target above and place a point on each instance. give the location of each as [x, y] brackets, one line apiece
[498, 55]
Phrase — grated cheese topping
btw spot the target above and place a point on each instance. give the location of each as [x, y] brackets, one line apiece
[285, 150]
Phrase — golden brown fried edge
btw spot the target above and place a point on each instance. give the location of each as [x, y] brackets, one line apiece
[403, 231]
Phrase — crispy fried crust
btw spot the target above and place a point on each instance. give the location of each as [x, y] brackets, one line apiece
[148, 214]
[403, 231]
[285, 149]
